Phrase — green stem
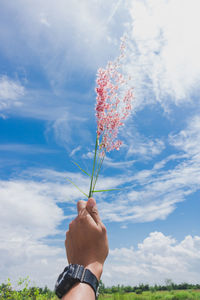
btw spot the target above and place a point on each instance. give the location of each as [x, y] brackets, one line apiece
[93, 169]
[98, 171]
[97, 166]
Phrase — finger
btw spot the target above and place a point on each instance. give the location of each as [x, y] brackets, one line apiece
[68, 247]
[67, 234]
[71, 225]
[81, 205]
[93, 211]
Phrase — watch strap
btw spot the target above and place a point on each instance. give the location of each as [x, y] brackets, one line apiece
[90, 278]
[86, 276]
[72, 274]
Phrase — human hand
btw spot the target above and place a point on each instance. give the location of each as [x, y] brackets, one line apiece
[86, 240]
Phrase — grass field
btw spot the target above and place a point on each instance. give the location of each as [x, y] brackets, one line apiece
[25, 292]
[168, 295]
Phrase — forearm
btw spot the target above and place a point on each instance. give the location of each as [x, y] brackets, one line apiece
[80, 291]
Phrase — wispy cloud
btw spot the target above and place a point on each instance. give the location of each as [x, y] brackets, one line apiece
[148, 194]
[75, 150]
[164, 50]
[118, 164]
[188, 139]
[11, 92]
[154, 193]
[143, 147]
[26, 149]
[48, 29]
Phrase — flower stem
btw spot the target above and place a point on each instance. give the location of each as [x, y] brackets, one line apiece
[93, 169]
[98, 171]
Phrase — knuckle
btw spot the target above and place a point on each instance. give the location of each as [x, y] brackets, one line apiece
[81, 218]
[71, 225]
[82, 212]
[103, 227]
[95, 211]
[80, 203]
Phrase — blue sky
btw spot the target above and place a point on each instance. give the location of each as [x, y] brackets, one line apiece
[49, 56]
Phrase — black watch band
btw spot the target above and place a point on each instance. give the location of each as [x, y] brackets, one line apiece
[72, 274]
[86, 276]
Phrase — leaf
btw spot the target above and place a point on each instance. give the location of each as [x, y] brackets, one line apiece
[99, 191]
[81, 168]
[77, 187]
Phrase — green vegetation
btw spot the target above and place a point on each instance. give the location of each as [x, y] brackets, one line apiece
[170, 291]
[167, 295]
[24, 291]
[169, 286]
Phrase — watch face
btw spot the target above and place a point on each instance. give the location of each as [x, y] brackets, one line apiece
[67, 273]
[65, 280]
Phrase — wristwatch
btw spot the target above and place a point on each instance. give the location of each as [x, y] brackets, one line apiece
[72, 274]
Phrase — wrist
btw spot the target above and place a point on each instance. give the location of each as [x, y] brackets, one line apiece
[96, 268]
[80, 291]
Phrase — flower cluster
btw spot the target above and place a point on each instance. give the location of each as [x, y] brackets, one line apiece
[113, 104]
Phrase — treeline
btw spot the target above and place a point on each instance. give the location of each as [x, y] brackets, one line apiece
[169, 286]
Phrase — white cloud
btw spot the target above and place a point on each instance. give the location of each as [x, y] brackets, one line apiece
[164, 64]
[118, 164]
[28, 214]
[109, 162]
[10, 93]
[49, 29]
[158, 257]
[188, 140]
[27, 205]
[29, 221]
[22, 257]
[148, 195]
[75, 150]
[44, 21]
[153, 194]
[144, 147]
[164, 51]
[69, 130]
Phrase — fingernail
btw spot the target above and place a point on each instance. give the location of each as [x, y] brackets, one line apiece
[91, 202]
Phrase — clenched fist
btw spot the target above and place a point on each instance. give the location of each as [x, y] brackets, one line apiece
[86, 240]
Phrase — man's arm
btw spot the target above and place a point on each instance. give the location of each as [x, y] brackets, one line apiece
[86, 244]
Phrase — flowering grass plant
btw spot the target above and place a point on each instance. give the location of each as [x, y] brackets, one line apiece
[113, 106]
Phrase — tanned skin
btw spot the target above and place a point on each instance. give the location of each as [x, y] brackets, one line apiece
[86, 244]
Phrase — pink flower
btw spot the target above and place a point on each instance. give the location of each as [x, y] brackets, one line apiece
[113, 103]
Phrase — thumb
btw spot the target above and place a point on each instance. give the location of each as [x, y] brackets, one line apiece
[92, 209]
